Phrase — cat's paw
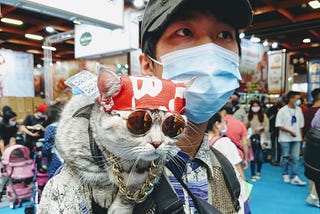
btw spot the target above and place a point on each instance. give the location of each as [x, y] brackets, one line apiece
[119, 206]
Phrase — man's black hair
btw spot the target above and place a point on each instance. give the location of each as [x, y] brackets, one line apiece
[291, 94]
[315, 94]
[237, 94]
[228, 107]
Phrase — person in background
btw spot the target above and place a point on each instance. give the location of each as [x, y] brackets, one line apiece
[309, 114]
[237, 132]
[259, 124]
[33, 127]
[8, 129]
[238, 112]
[48, 150]
[216, 129]
[4, 109]
[274, 131]
[290, 122]
[184, 40]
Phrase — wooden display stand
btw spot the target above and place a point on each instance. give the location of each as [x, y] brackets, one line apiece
[22, 106]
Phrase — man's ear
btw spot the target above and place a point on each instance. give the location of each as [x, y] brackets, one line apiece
[146, 65]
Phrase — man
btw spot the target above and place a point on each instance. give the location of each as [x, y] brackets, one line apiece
[238, 112]
[183, 40]
[309, 113]
[290, 122]
[313, 198]
[33, 126]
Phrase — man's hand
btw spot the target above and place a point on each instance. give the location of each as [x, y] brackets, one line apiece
[292, 133]
[36, 134]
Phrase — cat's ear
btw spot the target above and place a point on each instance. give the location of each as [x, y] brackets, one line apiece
[108, 83]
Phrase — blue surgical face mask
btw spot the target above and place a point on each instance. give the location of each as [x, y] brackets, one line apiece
[42, 116]
[216, 75]
[297, 103]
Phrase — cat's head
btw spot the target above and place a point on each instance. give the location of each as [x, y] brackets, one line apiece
[139, 118]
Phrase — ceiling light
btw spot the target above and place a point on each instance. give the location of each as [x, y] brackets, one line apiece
[274, 45]
[315, 45]
[241, 35]
[50, 29]
[33, 36]
[39, 66]
[48, 48]
[265, 43]
[34, 51]
[306, 40]
[12, 21]
[139, 4]
[314, 4]
[76, 21]
[255, 39]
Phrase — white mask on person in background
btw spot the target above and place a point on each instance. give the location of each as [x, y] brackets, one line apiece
[297, 103]
[216, 75]
[255, 109]
[41, 115]
[222, 128]
[12, 123]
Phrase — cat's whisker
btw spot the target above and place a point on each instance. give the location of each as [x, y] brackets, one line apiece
[132, 169]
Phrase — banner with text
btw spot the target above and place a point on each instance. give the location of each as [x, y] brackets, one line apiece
[253, 67]
[276, 68]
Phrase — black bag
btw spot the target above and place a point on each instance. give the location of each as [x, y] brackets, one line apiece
[312, 149]
[29, 209]
[255, 141]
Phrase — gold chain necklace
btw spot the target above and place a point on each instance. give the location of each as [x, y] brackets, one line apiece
[141, 194]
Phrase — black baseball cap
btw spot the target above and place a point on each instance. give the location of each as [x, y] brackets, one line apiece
[159, 12]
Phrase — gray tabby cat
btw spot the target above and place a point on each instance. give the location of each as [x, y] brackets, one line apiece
[113, 158]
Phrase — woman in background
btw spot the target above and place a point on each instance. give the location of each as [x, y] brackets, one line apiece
[8, 129]
[259, 124]
[48, 150]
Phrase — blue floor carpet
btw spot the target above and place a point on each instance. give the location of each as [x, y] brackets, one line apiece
[271, 195]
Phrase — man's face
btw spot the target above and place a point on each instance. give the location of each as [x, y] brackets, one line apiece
[194, 29]
[234, 98]
[294, 99]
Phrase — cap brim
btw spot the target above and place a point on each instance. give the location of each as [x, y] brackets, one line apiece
[238, 12]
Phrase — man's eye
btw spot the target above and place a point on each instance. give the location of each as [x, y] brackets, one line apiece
[225, 35]
[184, 32]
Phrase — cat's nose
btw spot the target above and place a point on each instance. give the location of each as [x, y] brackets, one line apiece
[156, 144]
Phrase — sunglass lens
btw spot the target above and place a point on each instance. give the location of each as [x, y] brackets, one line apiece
[173, 125]
[139, 122]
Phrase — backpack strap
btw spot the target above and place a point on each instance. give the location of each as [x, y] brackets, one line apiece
[202, 206]
[214, 139]
[230, 177]
[163, 200]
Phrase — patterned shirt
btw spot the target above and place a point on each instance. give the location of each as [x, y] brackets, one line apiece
[198, 174]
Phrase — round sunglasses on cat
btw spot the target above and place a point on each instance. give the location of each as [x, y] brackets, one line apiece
[140, 122]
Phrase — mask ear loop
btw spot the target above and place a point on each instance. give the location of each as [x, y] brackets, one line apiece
[155, 61]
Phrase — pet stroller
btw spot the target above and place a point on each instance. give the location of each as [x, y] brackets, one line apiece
[18, 168]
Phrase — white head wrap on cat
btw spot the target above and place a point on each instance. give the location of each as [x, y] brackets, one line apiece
[137, 92]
